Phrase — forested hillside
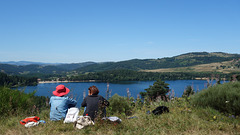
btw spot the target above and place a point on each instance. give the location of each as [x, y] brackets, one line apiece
[41, 69]
[14, 81]
[29, 69]
[184, 60]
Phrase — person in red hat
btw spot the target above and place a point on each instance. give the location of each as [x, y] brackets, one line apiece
[60, 103]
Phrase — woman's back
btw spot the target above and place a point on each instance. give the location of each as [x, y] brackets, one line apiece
[94, 103]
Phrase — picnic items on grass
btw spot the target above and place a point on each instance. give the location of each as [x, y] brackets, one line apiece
[83, 121]
[31, 121]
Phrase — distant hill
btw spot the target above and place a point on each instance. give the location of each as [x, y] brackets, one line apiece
[28, 69]
[23, 63]
[73, 66]
[41, 69]
[221, 67]
[184, 60]
[180, 61]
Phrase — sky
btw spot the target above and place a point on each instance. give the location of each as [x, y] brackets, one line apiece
[75, 31]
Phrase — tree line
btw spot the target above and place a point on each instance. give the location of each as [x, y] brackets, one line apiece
[131, 75]
[14, 81]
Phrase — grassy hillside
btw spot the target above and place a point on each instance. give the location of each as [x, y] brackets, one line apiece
[222, 67]
[184, 118]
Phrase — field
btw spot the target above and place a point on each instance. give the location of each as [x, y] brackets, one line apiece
[187, 116]
[223, 67]
[182, 119]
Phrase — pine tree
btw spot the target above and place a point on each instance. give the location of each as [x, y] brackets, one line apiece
[159, 88]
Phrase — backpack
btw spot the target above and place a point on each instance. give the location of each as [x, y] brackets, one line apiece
[83, 121]
[160, 109]
[72, 115]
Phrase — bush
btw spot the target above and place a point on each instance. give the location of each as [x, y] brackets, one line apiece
[15, 102]
[188, 91]
[224, 98]
[159, 88]
[119, 105]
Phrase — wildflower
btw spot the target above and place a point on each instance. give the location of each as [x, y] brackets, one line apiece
[226, 101]
[232, 116]
[214, 117]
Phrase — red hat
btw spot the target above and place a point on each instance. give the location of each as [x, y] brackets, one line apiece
[61, 90]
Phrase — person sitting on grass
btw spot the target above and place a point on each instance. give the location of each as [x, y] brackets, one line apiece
[60, 103]
[95, 104]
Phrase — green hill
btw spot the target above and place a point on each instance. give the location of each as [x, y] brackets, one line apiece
[221, 67]
[41, 69]
[184, 60]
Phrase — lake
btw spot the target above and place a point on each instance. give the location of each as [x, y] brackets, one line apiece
[135, 87]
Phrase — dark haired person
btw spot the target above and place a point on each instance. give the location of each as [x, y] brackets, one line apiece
[94, 103]
[60, 103]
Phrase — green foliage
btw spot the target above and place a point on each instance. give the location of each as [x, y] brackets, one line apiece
[13, 81]
[238, 77]
[159, 88]
[30, 69]
[15, 102]
[130, 75]
[188, 91]
[119, 105]
[183, 119]
[184, 60]
[235, 77]
[224, 98]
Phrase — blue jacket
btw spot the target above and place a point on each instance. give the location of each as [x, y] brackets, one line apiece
[59, 107]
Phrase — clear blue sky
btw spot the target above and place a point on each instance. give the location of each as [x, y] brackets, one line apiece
[72, 31]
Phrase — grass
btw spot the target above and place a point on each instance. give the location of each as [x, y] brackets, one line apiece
[212, 67]
[187, 116]
[224, 97]
[183, 119]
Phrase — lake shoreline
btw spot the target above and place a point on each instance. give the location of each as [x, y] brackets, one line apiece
[40, 82]
[66, 81]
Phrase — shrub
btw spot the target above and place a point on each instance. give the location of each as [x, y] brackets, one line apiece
[120, 105]
[224, 98]
[188, 91]
[15, 102]
[159, 88]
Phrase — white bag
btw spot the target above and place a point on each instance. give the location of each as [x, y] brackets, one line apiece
[83, 121]
[72, 115]
[31, 124]
[113, 119]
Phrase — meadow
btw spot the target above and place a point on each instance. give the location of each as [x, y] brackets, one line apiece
[186, 116]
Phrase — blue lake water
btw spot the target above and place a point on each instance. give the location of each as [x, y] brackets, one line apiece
[135, 87]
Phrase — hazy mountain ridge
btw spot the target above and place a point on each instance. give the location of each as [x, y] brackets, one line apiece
[183, 60]
[41, 68]
[24, 63]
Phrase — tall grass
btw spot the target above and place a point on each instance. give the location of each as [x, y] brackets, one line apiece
[222, 97]
[15, 102]
[183, 119]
